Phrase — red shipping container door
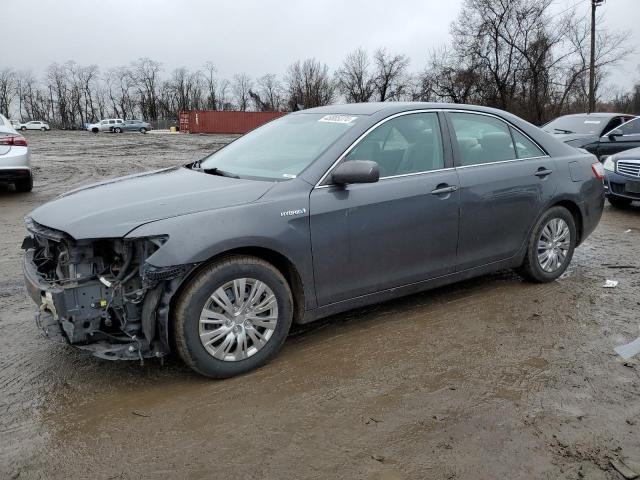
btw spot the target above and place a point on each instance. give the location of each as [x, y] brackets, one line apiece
[212, 121]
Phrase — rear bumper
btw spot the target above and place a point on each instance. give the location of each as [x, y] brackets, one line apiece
[614, 186]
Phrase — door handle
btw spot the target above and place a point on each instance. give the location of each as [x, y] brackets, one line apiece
[543, 172]
[444, 189]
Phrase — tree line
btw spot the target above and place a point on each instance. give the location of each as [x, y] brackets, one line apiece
[517, 55]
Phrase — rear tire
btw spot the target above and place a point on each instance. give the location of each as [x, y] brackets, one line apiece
[214, 339]
[24, 185]
[619, 202]
[23, 128]
[550, 247]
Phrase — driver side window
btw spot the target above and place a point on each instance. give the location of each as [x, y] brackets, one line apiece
[631, 128]
[406, 144]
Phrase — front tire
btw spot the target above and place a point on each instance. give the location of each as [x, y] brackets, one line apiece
[143, 130]
[551, 246]
[117, 130]
[232, 317]
[23, 128]
[619, 202]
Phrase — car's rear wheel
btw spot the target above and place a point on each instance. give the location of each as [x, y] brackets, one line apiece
[25, 184]
[23, 128]
[143, 130]
[232, 317]
[550, 247]
[619, 202]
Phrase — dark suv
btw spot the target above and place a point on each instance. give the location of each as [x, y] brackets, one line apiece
[315, 213]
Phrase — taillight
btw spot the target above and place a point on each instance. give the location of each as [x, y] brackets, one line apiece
[14, 141]
[598, 170]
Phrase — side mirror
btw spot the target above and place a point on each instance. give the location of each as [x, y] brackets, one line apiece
[616, 132]
[356, 171]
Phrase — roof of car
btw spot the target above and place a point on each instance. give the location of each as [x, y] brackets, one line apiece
[599, 114]
[371, 108]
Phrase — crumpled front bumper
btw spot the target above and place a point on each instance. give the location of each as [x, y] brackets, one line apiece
[60, 317]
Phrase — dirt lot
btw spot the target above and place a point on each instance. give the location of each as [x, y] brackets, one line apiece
[492, 378]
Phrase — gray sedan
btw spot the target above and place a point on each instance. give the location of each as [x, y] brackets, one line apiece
[315, 213]
[133, 126]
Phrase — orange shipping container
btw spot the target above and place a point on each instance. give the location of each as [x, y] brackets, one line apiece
[212, 121]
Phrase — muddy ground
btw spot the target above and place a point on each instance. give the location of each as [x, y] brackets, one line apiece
[491, 378]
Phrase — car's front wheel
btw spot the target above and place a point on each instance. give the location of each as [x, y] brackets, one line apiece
[143, 130]
[117, 130]
[232, 317]
[619, 202]
[550, 246]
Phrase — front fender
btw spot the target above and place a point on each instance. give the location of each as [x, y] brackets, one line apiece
[198, 237]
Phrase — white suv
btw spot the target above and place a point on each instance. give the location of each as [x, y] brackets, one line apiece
[107, 125]
[35, 125]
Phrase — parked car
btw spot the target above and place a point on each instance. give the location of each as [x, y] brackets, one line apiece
[106, 125]
[15, 165]
[15, 124]
[35, 125]
[133, 126]
[317, 212]
[622, 178]
[599, 133]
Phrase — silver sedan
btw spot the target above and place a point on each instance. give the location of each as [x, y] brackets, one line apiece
[15, 166]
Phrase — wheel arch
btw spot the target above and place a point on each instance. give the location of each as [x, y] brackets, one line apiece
[576, 213]
[281, 262]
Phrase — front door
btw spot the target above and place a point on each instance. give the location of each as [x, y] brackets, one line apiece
[402, 229]
[630, 139]
[505, 182]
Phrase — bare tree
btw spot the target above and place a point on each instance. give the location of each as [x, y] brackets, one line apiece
[268, 97]
[241, 87]
[308, 84]
[8, 86]
[211, 85]
[354, 79]
[390, 76]
[145, 73]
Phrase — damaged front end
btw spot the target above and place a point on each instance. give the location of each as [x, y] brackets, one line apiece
[100, 295]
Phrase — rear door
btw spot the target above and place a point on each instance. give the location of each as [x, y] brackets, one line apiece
[402, 229]
[505, 182]
[630, 138]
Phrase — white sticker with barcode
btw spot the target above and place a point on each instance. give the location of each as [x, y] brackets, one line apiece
[337, 119]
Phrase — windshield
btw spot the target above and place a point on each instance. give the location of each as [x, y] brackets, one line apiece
[281, 149]
[585, 124]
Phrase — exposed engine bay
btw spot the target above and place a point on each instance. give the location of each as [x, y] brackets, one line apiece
[100, 295]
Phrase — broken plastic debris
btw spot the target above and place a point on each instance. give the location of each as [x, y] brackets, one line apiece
[611, 284]
[629, 350]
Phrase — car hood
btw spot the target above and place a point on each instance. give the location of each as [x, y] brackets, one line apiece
[633, 154]
[113, 208]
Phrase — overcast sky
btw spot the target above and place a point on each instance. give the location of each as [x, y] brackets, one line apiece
[252, 36]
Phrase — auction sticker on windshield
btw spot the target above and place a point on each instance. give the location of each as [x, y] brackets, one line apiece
[337, 119]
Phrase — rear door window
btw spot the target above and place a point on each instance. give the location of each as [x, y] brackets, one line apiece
[481, 139]
[631, 128]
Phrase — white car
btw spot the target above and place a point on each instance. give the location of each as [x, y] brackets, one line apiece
[15, 165]
[35, 125]
[107, 125]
